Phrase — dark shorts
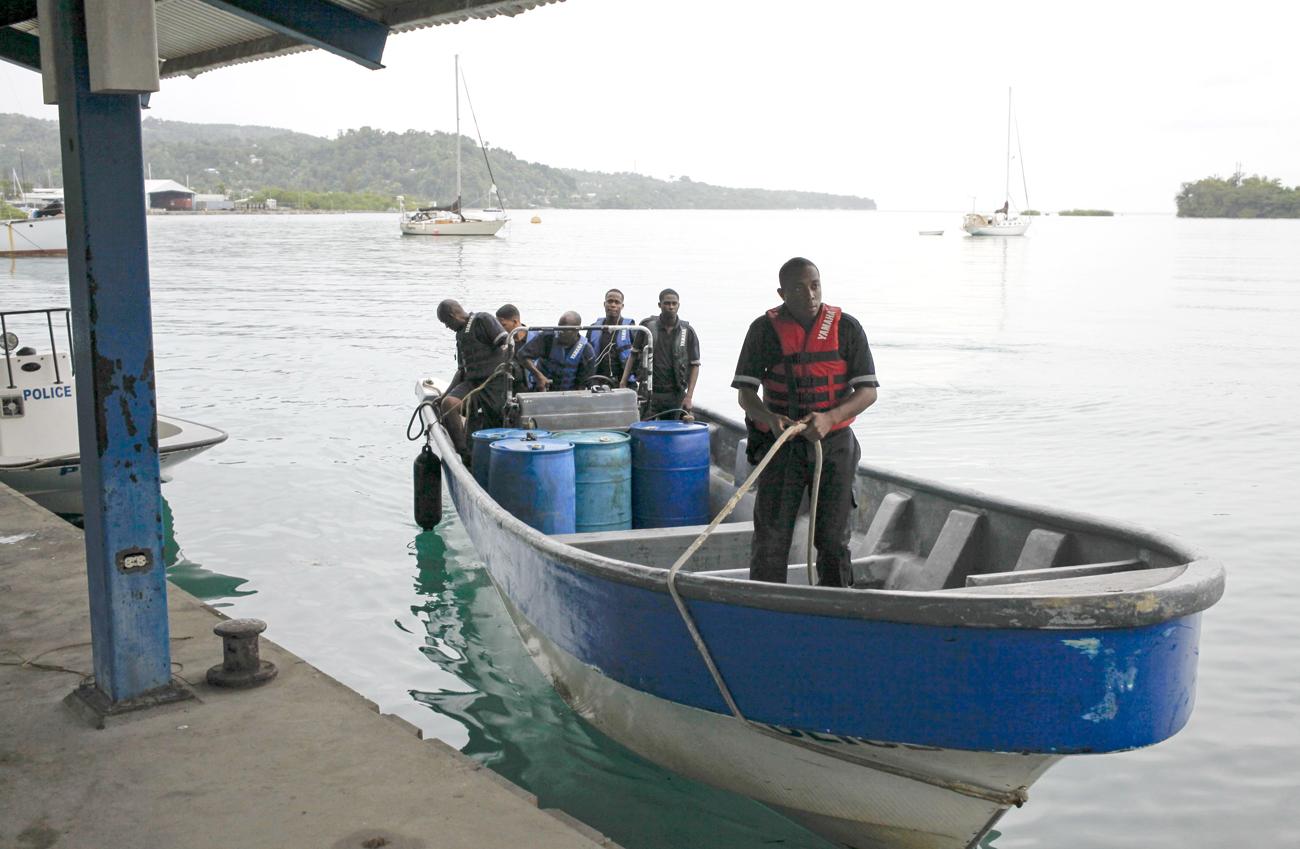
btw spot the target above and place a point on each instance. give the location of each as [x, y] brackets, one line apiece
[486, 405]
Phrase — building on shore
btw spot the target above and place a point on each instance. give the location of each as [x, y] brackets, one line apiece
[169, 195]
[206, 203]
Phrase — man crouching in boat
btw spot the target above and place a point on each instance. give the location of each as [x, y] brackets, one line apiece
[814, 366]
[480, 355]
[560, 360]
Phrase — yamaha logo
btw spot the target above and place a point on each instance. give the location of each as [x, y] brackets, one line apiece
[825, 329]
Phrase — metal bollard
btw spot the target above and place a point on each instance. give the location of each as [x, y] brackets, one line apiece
[241, 666]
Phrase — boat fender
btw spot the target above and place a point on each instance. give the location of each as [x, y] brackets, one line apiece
[428, 489]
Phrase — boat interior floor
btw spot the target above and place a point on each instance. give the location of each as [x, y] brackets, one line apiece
[725, 554]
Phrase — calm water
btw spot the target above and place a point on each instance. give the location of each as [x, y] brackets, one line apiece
[1142, 368]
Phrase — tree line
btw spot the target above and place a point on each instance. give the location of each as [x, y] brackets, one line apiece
[1238, 196]
[374, 166]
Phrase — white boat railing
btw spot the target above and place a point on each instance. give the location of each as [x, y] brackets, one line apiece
[9, 341]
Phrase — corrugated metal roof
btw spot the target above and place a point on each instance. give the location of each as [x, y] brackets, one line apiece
[194, 37]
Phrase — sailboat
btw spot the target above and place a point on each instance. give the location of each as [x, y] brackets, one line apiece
[1003, 222]
[42, 233]
[451, 221]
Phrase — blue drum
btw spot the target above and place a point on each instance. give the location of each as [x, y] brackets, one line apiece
[533, 480]
[602, 462]
[480, 459]
[670, 474]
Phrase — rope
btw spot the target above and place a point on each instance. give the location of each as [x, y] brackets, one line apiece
[435, 404]
[686, 555]
[502, 368]
[998, 796]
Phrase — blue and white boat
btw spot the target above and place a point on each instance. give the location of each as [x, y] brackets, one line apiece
[983, 640]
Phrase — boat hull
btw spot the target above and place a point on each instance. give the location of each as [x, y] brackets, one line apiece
[1008, 227]
[451, 228]
[853, 791]
[34, 237]
[56, 485]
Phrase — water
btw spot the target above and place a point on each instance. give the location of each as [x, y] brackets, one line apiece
[1137, 367]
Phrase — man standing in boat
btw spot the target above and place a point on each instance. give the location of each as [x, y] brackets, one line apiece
[560, 360]
[480, 351]
[613, 347]
[814, 366]
[676, 361]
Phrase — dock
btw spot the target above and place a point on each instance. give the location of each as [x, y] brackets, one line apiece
[301, 761]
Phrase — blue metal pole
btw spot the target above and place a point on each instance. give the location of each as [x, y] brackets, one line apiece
[108, 273]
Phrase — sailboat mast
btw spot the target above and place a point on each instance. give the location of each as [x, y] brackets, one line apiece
[458, 132]
[1007, 196]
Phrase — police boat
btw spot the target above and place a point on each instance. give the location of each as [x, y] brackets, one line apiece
[982, 640]
[39, 453]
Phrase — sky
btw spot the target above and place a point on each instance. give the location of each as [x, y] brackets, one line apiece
[1117, 104]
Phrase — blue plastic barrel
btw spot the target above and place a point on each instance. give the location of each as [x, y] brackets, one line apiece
[602, 464]
[670, 474]
[480, 459]
[533, 480]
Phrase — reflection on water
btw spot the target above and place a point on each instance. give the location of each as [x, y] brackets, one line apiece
[523, 730]
[190, 576]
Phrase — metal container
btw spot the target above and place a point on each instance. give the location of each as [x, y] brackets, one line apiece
[532, 479]
[602, 462]
[670, 474]
[480, 459]
[579, 410]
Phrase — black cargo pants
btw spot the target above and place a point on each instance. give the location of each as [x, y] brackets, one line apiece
[780, 491]
[660, 403]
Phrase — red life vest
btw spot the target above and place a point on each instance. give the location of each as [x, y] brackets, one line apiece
[812, 377]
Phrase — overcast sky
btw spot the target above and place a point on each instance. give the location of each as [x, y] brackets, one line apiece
[1118, 103]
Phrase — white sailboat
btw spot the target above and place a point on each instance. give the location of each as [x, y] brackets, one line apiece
[451, 221]
[1003, 222]
[43, 232]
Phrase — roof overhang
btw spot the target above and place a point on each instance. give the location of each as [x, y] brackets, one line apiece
[195, 36]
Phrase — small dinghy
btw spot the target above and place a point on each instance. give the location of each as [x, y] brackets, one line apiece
[982, 640]
[39, 453]
[930, 232]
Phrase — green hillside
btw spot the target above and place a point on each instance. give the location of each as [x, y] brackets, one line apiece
[246, 161]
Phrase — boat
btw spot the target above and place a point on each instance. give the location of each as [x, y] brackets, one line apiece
[930, 232]
[452, 221]
[43, 236]
[982, 641]
[43, 231]
[1003, 222]
[39, 453]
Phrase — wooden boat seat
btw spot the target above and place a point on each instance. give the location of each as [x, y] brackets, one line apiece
[726, 548]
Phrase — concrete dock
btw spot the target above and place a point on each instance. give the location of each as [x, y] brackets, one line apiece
[301, 761]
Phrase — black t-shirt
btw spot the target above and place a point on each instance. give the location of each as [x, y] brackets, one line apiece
[481, 346]
[671, 348]
[488, 330]
[762, 350]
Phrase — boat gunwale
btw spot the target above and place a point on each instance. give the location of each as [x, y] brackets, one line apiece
[1197, 586]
